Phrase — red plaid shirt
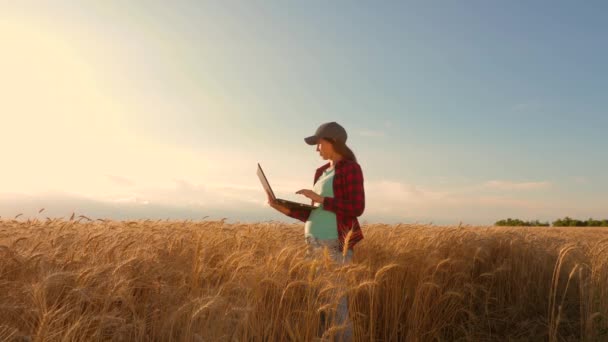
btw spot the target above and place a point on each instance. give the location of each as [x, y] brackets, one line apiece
[348, 202]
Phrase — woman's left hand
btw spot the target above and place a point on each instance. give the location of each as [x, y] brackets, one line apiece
[311, 194]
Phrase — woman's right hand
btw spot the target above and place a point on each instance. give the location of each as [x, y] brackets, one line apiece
[276, 205]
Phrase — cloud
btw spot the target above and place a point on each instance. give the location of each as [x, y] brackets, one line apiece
[387, 201]
[510, 185]
[153, 206]
[178, 197]
[132, 199]
[393, 200]
[398, 191]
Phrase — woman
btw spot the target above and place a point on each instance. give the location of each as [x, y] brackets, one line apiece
[339, 197]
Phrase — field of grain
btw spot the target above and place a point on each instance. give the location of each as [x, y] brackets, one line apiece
[77, 280]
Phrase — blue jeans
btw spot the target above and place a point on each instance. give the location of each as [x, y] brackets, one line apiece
[315, 249]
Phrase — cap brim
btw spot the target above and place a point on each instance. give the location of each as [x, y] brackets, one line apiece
[312, 140]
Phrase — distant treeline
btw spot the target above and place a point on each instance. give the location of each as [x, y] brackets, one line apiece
[519, 223]
[565, 222]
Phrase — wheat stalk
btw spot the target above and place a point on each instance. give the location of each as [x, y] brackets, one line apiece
[165, 280]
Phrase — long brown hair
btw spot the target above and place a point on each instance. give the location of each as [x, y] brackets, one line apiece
[342, 149]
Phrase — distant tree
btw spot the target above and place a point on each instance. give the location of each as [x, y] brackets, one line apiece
[537, 223]
[565, 222]
[570, 222]
[562, 222]
[520, 223]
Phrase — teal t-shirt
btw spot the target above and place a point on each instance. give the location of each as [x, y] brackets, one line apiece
[321, 223]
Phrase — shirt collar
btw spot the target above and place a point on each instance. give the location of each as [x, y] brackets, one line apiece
[326, 166]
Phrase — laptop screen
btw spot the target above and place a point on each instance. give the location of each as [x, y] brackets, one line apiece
[264, 182]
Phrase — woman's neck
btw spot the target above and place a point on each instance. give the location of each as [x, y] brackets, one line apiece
[334, 161]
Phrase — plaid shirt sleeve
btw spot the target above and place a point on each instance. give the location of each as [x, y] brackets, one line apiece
[350, 199]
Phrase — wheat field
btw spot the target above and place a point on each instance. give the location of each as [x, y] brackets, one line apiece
[101, 280]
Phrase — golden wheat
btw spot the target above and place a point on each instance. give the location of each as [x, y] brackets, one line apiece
[67, 280]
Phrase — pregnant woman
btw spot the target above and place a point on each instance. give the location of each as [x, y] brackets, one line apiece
[339, 198]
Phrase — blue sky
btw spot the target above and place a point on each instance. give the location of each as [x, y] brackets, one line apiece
[458, 111]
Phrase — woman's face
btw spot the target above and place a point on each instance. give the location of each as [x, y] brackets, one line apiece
[325, 149]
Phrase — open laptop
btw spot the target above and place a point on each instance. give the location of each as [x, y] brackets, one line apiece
[288, 204]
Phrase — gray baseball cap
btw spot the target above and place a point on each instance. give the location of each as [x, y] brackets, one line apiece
[328, 130]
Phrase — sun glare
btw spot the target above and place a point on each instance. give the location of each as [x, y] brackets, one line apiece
[53, 109]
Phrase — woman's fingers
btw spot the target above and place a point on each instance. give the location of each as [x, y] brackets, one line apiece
[272, 202]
